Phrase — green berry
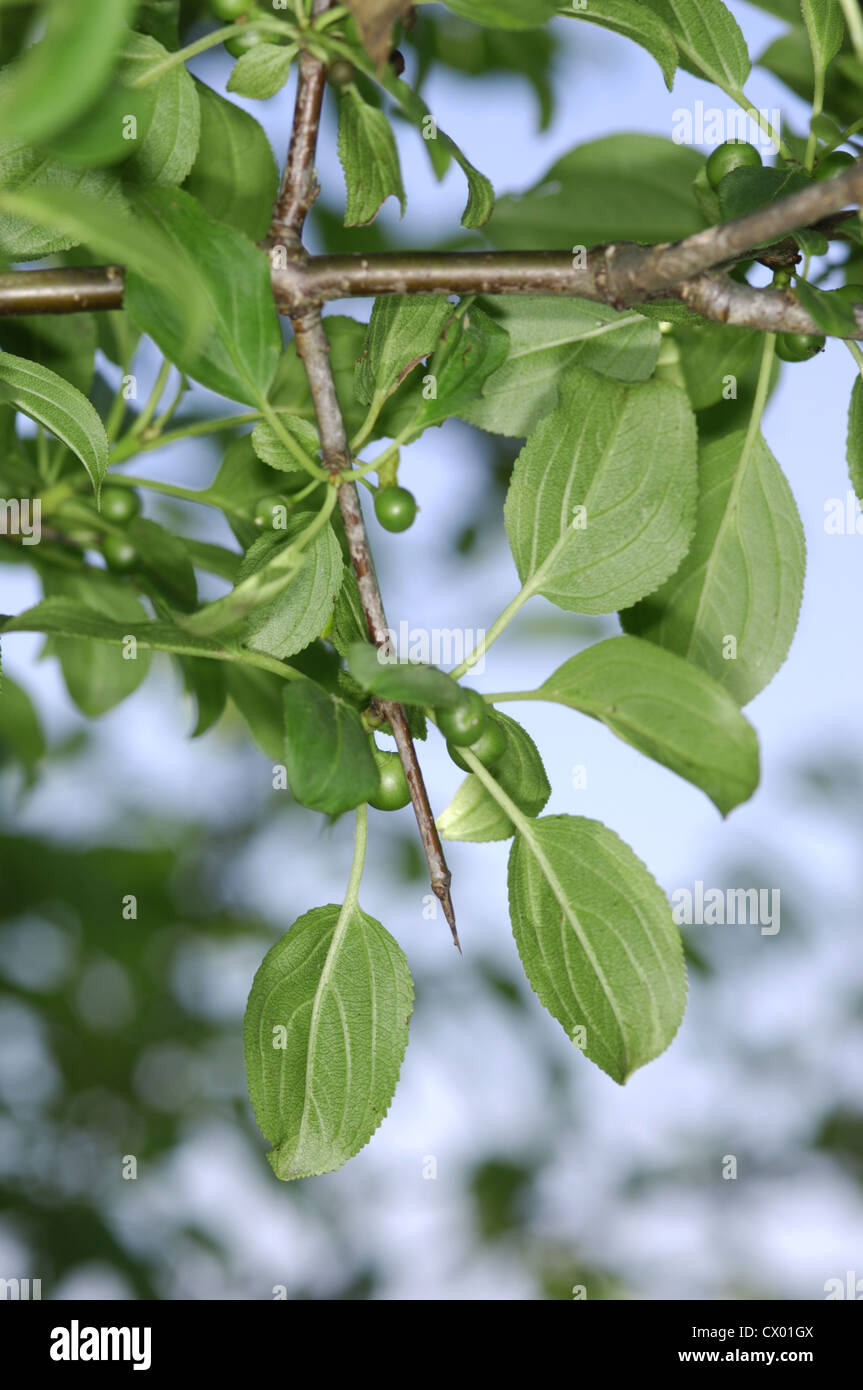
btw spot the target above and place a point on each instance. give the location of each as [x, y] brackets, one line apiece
[833, 164]
[271, 513]
[395, 508]
[120, 504]
[242, 43]
[229, 10]
[393, 791]
[798, 347]
[341, 72]
[121, 555]
[463, 723]
[489, 747]
[734, 154]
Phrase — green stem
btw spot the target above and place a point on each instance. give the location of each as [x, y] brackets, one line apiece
[761, 120]
[854, 20]
[352, 890]
[172, 409]
[128, 447]
[210, 40]
[817, 108]
[519, 819]
[146, 415]
[855, 353]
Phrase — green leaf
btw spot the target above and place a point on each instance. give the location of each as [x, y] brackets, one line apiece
[403, 330]
[166, 151]
[406, 682]
[97, 675]
[235, 177]
[635, 22]
[547, 337]
[258, 697]
[64, 617]
[745, 190]
[165, 563]
[471, 348]
[324, 1035]
[825, 26]
[301, 612]
[262, 71]
[56, 80]
[602, 498]
[75, 212]
[21, 737]
[369, 158]
[45, 397]
[327, 754]
[709, 38]
[160, 18]
[666, 708]
[505, 14]
[709, 356]
[32, 182]
[473, 814]
[854, 452]
[620, 188]
[64, 344]
[733, 604]
[830, 312]
[441, 149]
[238, 350]
[271, 448]
[597, 941]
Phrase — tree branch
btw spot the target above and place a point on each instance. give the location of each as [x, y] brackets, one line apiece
[297, 194]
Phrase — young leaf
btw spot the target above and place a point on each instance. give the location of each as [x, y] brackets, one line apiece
[403, 681]
[324, 1035]
[471, 347]
[301, 612]
[47, 398]
[262, 71]
[235, 177]
[546, 338]
[636, 22]
[733, 604]
[602, 498]
[855, 437]
[369, 157]
[825, 26]
[327, 755]
[56, 80]
[403, 330]
[709, 38]
[597, 941]
[272, 450]
[96, 674]
[473, 814]
[238, 349]
[166, 151]
[375, 20]
[666, 708]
